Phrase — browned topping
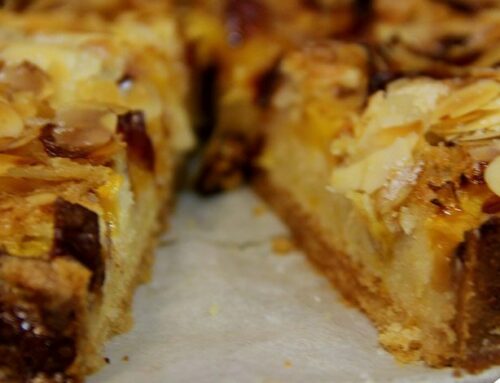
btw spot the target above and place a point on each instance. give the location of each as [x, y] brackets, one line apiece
[132, 125]
[476, 174]
[447, 200]
[29, 341]
[244, 18]
[77, 235]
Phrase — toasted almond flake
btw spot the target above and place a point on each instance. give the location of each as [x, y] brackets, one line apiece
[487, 152]
[371, 173]
[492, 176]
[480, 135]
[41, 199]
[407, 220]
[8, 162]
[467, 99]
[486, 122]
[11, 124]
[478, 119]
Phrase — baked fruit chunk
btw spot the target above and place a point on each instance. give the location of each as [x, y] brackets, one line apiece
[92, 126]
[395, 197]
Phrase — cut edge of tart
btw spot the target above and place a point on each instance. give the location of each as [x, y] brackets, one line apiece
[93, 126]
[394, 197]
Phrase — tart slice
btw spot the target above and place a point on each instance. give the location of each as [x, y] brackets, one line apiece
[92, 127]
[236, 49]
[395, 197]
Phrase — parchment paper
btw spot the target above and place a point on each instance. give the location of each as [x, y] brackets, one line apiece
[223, 307]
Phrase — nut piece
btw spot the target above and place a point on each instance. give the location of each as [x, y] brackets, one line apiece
[468, 99]
[372, 172]
[78, 132]
[11, 124]
[492, 176]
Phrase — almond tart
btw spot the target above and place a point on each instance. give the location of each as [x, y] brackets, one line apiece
[395, 197]
[93, 124]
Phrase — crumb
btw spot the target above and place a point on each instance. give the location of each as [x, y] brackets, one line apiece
[107, 360]
[259, 210]
[214, 310]
[282, 245]
[125, 358]
[288, 364]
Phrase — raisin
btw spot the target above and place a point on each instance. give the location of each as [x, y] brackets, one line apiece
[36, 346]
[132, 125]
[77, 235]
[266, 85]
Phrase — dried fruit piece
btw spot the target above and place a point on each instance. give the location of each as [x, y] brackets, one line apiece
[77, 235]
[133, 127]
[39, 346]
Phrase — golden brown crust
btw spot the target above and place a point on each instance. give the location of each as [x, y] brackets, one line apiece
[477, 330]
[354, 282]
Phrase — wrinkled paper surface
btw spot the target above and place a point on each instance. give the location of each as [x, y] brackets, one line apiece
[223, 307]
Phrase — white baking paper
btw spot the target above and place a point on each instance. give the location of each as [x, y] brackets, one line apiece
[222, 307]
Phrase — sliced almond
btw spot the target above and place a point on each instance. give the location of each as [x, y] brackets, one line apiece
[25, 77]
[372, 172]
[8, 162]
[467, 99]
[479, 135]
[11, 124]
[492, 176]
[79, 131]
